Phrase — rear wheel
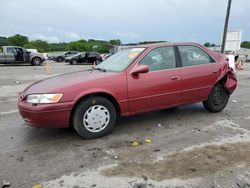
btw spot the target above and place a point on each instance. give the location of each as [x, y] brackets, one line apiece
[73, 62]
[217, 99]
[94, 117]
[36, 61]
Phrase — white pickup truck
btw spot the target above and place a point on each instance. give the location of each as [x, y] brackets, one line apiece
[16, 54]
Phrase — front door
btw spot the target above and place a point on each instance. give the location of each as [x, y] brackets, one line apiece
[19, 54]
[160, 87]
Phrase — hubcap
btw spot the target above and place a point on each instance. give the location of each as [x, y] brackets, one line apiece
[36, 61]
[96, 118]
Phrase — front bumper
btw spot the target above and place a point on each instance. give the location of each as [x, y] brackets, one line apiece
[45, 115]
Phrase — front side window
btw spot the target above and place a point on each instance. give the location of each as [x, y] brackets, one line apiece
[160, 59]
[19, 50]
[192, 55]
[121, 60]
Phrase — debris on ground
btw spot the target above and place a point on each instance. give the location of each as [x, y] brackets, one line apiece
[158, 125]
[95, 148]
[134, 143]
[37, 185]
[17, 82]
[196, 129]
[116, 157]
[148, 140]
[157, 150]
[20, 159]
[5, 184]
[234, 101]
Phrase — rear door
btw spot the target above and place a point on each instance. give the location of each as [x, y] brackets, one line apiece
[10, 54]
[199, 73]
[160, 87]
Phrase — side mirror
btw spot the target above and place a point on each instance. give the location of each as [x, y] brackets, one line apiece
[139, 69]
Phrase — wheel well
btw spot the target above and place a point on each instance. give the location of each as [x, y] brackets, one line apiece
[105, 95]
[35, 57]
[223, 80]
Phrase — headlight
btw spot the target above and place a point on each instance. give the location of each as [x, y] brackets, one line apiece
[44, 98]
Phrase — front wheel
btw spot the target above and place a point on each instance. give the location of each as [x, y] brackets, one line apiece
[217, 100]
[94, 117]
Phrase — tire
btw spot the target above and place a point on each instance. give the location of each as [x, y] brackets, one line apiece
[94, 117]
[60, 59]
[73, 62]
[97, 62]
[217, 100]
[36, 61]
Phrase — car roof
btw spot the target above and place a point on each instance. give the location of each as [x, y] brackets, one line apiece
[153, 45]
[12, 46]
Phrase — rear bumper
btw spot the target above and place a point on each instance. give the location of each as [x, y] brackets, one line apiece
[46, 115]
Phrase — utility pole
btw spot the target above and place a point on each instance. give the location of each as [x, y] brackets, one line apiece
[225, 27]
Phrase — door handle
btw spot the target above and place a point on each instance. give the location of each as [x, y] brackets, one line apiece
[215, 71]
[175, 78]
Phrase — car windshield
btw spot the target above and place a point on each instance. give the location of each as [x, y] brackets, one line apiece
[121, 60]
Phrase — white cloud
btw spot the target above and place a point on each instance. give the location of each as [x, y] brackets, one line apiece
[127, 34]
[46, 38]
[72, 35]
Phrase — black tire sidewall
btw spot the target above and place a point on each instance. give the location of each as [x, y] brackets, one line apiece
[80, 110]
[73, 62]
[60, 59]
[210, 106]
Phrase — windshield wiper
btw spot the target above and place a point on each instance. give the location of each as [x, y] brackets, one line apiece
[100, 69]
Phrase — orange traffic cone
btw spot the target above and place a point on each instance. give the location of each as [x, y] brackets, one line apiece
[240, 65]
[48, 70]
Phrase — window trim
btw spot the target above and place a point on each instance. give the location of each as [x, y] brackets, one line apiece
[179, 56]
[175, 54]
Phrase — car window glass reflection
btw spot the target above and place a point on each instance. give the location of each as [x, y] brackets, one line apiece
[160, 59]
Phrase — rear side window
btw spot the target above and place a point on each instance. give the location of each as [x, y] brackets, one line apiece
[192, 55]
[160, 59]
[10, 50]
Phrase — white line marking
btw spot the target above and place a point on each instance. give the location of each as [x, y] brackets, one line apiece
[9, 112]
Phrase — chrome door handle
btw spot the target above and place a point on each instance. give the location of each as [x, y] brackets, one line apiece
[175, 78]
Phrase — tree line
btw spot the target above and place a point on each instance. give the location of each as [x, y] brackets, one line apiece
[100, 46]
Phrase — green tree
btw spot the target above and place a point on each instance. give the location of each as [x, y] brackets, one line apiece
[245, 44]
[18, 40]
[41, 46]
[3, 41]
[115, 42]
[208, 44]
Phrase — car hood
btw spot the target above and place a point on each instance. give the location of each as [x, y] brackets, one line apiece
[64, 83]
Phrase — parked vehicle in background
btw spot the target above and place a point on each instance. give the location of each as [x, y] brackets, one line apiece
[85, 57]
[140, 79]
[61, 57]
[105, 56]
[16, 54]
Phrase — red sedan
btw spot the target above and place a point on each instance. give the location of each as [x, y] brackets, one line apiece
[132, 81]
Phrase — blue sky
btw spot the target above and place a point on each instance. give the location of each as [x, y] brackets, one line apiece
[128, 20]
